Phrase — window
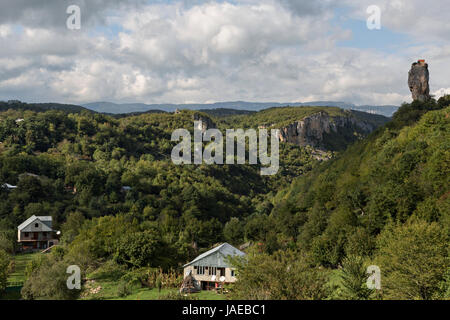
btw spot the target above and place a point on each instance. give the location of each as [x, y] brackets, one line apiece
[36, 225]
[27, 234]
[200, 270]
[212, 271]
[233, 273]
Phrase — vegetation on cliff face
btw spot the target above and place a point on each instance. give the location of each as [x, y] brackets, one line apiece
[347, 206]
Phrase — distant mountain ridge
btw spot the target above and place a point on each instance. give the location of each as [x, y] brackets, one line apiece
[114, 108]
[41, 107]
[220, 109]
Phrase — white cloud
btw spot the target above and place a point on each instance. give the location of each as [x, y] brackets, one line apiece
[421, 19]
[215, 51]
[5, 31]
[441, 92]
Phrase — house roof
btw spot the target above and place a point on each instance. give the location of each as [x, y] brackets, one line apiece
[224, 250]
[9, 186]
[34, 218]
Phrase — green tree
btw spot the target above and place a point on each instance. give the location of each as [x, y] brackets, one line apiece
[413, 259]
[48, 281]
[285, 275]
[354, 278]
[5, 260]
[71, 228]
[234, 231]
[7, 240]
[141, 249]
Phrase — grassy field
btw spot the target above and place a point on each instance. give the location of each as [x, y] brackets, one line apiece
[17, 278]
[109, 291]
[153, 294]
[21, 261]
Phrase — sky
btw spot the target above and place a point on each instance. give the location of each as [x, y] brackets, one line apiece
[210, 51]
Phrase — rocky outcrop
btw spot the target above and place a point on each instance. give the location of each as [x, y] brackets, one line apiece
[418, 81]
[319, 129]
[207, 123]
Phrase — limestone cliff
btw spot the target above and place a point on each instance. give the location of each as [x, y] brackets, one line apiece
[323, 132]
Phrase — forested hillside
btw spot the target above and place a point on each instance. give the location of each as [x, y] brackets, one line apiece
[385, 202]
[399, 172]
[122, 205]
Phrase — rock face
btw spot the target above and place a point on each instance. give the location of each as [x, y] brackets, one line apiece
[318, 129]
[207, 123]
[418, 81]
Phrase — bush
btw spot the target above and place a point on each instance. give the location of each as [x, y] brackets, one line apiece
[140, 249]
[136, 277]
[169, 280]
[354, 278]
[110, 270]
[123, 289]
[285, 275]
[48, 281]
[444, 101]
[177, 296]
[5, 260]
[414, 259]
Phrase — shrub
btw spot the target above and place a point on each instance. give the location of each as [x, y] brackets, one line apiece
[5, 260]
[285, 275]
[123, 289]
[110, 270]
[137, 277]
[177, 296]
[413, 259]
[48, 281]
[354, 278]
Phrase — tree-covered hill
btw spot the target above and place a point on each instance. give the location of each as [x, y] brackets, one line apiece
[400, 171]
[223, 112]
[384, 201]
[41, 107]
[112, 189]
[79, 162]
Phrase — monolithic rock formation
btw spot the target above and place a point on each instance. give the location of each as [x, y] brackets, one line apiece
[319, 129]
[418, 81]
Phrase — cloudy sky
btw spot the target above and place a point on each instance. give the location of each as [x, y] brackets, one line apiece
[209, 51]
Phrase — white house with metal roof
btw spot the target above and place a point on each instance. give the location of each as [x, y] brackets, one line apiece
[212, 269]
[36, 233]
[9, 186]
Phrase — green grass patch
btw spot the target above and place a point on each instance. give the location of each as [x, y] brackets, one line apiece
[109, 291]
[21, 262]
[154, 294]
[17, 278]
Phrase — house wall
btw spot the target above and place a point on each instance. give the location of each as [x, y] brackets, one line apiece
[207, 276]
[22, 236]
